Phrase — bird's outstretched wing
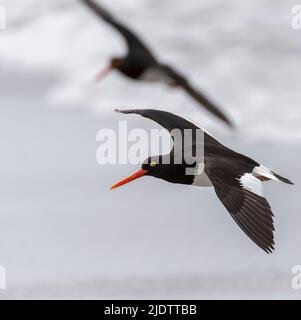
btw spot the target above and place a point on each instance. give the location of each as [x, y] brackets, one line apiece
[167, 120]
[174, 125]
[242, 197]
[170, 122]
[135, 45]
[193, 139]
[197, 95]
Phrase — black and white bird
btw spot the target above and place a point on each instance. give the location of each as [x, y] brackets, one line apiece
[237, 179]
[141, 64]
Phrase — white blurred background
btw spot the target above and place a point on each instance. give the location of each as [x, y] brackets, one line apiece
[62, 233]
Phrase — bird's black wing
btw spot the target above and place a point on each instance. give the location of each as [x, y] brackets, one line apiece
[250, 211]
[187, 131]
[170, 122]
[193, 143]
[135, 45]
[167, 120]
[197, 95]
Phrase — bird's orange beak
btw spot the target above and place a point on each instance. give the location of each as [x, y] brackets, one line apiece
[102, 74]
[140, 173]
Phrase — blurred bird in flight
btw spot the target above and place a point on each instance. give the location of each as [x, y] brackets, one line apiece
[141, 64]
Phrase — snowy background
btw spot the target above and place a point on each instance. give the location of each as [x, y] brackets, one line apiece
[62, 233]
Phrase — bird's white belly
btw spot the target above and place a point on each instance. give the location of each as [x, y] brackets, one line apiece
[200, 178]
[156, 75]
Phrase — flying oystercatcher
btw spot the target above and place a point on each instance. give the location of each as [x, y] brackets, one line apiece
[237, 179]
[141, 64]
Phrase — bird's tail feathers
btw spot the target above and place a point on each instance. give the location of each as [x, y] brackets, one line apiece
[265, 174]
[282, 179]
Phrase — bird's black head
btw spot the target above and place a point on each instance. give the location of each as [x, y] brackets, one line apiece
[156, 166]
[116, 63]
[150, 167]
[160, 167]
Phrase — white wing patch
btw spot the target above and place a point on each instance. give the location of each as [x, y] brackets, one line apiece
[264, 172]
[251, 183]
[155, 75]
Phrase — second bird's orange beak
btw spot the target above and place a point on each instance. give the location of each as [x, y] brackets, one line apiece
[102, 74]
[140, 173]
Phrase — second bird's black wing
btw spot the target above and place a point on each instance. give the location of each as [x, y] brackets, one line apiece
[135, 45]
[197, 95]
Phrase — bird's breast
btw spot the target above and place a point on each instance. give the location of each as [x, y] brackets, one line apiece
[200, 177]
[157, 74]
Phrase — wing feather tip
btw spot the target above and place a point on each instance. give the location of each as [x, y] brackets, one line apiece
[269, 248]
[124, 111]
